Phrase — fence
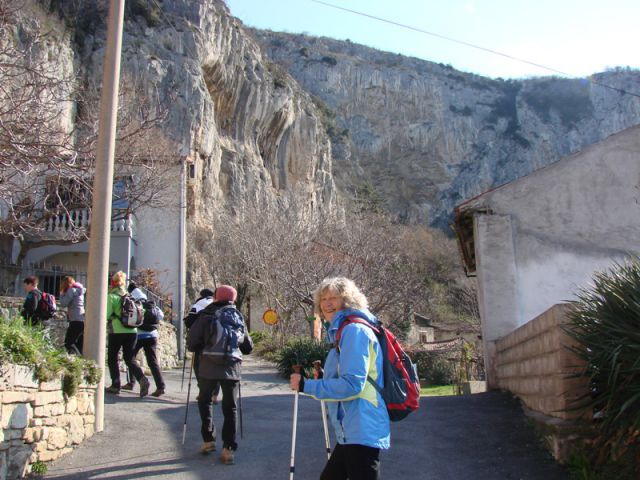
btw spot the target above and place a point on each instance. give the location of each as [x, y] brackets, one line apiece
[49, 280]
[49, 276]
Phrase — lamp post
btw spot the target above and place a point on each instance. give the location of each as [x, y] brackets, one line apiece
[97, 281]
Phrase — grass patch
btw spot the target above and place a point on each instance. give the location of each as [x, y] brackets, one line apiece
[438, 390]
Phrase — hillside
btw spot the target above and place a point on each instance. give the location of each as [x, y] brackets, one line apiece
[427, 137]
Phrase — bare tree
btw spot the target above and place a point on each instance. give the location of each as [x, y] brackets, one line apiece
[283, 257]
[48, 132]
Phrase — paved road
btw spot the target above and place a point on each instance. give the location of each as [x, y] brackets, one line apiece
[483, 437]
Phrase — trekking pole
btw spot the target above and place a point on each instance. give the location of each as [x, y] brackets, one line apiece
[184, 367]
[186, 410]
[240, 406]
[327, 442]
[292, 468]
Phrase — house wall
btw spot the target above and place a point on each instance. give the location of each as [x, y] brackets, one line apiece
[545, 235]
[157, 243]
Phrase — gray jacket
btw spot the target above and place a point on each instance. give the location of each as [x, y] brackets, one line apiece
[73, 299]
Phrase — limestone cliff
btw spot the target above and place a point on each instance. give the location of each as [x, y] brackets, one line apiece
[249, 135]
[427, 137]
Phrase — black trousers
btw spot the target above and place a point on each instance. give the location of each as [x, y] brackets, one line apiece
[229, 410]
[126, 341]
[353, 462]
[149, 345]
[74, 337]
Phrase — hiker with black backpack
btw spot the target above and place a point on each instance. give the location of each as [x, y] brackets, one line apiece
[120, 305]
[356, 409]
[221, 338]
[147, 339]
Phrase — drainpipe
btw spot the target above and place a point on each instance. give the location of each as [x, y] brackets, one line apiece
[183, 258]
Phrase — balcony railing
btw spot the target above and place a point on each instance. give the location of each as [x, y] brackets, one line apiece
[80, 219]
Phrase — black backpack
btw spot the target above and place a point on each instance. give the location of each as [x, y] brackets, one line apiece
[152, 316]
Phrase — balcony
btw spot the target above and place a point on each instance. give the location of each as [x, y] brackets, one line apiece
[76, 222]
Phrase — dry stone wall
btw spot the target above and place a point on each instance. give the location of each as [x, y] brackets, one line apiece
[38, 423]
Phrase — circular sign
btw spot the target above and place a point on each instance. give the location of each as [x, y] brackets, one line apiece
[270, 316]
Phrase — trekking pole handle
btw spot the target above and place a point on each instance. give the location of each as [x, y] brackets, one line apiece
[318, 371]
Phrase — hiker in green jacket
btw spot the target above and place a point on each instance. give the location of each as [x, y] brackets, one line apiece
[121, 337]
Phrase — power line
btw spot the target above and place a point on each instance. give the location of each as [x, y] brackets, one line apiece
[472, 45]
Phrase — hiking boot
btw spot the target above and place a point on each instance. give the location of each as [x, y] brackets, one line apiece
[144, 387]
[113, 390]
[208, 447]
[227, 456]
[158, 392]
[128, 386]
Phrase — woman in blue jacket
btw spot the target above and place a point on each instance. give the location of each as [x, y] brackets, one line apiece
[357, 411]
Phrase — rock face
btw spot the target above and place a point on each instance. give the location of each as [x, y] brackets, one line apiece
[249, 135]
[427, 137]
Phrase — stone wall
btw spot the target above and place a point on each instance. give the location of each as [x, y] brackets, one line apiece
[534, 362]
[37, 422]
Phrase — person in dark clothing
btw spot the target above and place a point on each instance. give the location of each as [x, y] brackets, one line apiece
[30, 306]
[205, 299]
[216, 370]
[148, 340]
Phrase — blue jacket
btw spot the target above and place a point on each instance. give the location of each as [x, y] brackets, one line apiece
[356, 409]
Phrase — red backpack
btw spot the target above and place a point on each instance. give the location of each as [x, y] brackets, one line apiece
[47, 307]
[401, 390]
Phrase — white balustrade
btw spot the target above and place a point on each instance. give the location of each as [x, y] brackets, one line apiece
[81, 219]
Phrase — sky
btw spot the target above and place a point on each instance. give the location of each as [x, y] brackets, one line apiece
[570, 36]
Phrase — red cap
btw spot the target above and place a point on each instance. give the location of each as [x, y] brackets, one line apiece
[225, 293]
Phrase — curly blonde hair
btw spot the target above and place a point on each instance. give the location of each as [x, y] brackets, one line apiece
[351, 295]
[119, 279]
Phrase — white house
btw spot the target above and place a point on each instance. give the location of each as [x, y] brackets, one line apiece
[149, 238]
[534, 242]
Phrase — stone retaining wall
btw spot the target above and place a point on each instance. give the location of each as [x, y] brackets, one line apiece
[534, 362]
[37, 422]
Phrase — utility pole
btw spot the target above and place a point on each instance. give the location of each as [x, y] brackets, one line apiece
[97, 281]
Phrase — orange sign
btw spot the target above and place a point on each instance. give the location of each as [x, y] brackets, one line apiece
[270, 316]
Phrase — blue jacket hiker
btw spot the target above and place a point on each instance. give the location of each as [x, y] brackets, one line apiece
[147, 340]
[357, 411]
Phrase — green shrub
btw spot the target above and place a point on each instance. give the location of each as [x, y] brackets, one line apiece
[39, 467]
[605, 323]
[301, 351]
[266, 346]
[433, 367]
[31, 346]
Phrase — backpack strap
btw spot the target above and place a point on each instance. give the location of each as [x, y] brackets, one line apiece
[349, 320]
[355, 319]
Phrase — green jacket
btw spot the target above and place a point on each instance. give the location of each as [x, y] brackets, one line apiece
[114, 309]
